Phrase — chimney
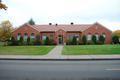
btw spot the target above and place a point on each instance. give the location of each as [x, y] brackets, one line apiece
[71, 23]
[56, 24]
[50, 23]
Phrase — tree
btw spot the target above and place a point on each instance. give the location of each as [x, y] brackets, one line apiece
[101, 39]
[28, 41]
[3, 6]
[84, 39]
[94, 39]
[116, 33]
[5, 31]
[31, 22]
[74, 40]
[115, 39]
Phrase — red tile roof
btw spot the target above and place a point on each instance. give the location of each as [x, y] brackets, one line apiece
[45, 28]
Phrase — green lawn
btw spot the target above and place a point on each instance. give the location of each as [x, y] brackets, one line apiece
[25, 50]
[91, 50]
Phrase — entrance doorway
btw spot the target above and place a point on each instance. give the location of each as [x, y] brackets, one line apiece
[60, 39]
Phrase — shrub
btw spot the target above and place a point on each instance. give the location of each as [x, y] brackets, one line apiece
[101, 39]
[37, 40]
[69, 42]
[32, 41]
[115, 39]
[74, 41]
[94, 40]
[84, 39]
[89, 42]
[51, 42]
[28, 41]
[46, 41]
[21, 41]
[13, 42]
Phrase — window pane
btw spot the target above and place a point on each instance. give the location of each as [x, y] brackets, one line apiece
[44, 37]
[18, 36]
[32, 36]
[97, 37]
[25, 37]
[104, 35]
[89, 36]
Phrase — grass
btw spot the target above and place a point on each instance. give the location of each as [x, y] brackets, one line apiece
[25, 50]
[91, 50]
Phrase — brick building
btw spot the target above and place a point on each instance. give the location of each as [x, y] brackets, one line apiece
[61, 33]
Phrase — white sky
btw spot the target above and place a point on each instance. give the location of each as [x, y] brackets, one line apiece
[106, 12]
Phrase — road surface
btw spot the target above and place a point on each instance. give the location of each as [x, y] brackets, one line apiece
[59, 70]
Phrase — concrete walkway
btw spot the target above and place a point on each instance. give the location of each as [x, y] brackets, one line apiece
[56, 52]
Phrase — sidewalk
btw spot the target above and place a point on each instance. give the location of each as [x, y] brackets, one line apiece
[62, 57]
[55, 54]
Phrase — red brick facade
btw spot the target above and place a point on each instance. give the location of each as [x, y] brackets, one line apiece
[61, 33]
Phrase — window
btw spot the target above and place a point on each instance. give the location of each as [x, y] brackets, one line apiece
[51, 36]
[18, 36]
[32, 36]
[89, 36]
[97, 36]
[77, 36]
[44, 37]
[71, 36]
[104, 35]
[25, 36]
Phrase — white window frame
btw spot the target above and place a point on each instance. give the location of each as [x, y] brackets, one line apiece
[89, 37]
[97, 37]
[25, 37]
[18, 36]
[44, 37]
[32, 36]
[104, 35]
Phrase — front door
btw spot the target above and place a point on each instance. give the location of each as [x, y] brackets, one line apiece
[60, 38]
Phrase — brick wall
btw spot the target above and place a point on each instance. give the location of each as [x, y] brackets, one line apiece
[99, 29]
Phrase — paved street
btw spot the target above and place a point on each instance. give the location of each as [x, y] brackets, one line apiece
[59, 70]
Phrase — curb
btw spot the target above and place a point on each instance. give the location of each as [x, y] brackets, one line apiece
[93, 59]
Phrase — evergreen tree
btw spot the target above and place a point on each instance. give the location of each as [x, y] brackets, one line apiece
[21, 40]
[94, 39]
[74, 40]
[31, 22]
[47, 41]
[84, 39]
[28, 41]
[101, 39]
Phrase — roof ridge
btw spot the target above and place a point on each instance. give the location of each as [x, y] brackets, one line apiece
[61, 24]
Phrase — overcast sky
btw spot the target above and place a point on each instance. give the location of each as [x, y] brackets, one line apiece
[106, 12]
